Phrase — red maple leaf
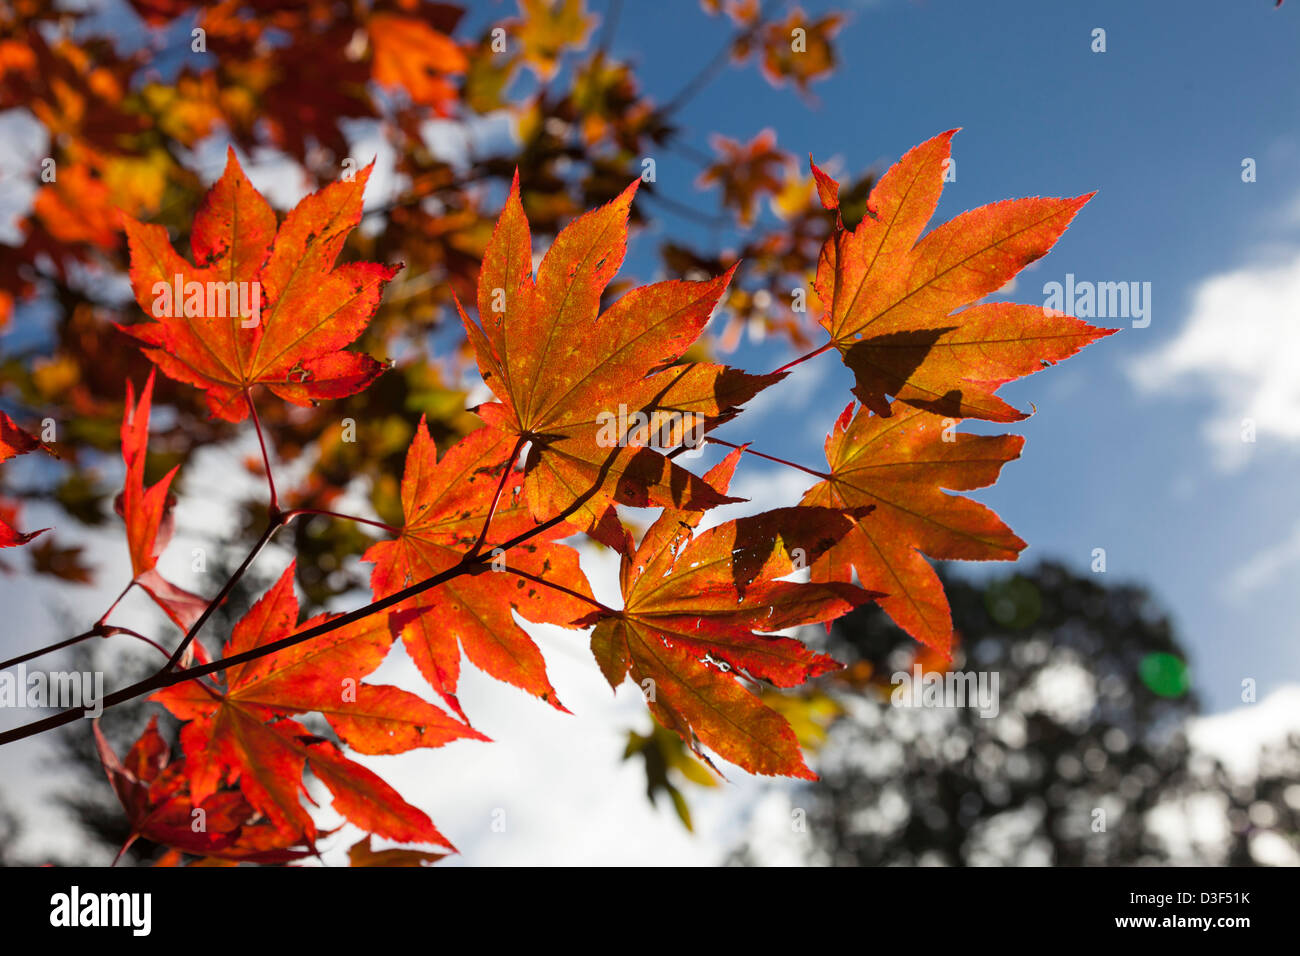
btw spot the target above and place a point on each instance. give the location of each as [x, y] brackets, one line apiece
[259, 305]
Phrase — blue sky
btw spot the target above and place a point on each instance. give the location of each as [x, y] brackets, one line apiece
[1159, 125]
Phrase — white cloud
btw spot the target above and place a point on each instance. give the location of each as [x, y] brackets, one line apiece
[1236, 736]
[1241, 344]
[1266, 567]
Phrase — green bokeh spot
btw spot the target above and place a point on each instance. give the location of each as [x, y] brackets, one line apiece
[1164, 675]
[1013, 604]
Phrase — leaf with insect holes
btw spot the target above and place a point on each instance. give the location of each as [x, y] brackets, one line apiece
[302, 308]
[691, 608]
[446, 504]
[571, 380]
[897, 465]
[891, 297]
[242, 733]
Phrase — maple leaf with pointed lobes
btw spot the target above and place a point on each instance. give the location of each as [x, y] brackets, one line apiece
[148, 514]
[898, 465]
[446, 504]
[241, 733]
[891, 297]
[799, 50]
[561, 369]
[14, 441]
[548, 28]
[152, 790]
[746, 171]
[412, 55]
[691, 606]
[309, 309]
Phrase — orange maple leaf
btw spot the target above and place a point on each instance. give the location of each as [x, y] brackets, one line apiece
[148, 514]
[898, 465]
[891, 297]
[260, 305]
[572, 381]
[241, 733]
[691, 607]
[412, 55]
[446, 504]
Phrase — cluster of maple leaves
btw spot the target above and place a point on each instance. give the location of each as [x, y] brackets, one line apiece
[111, 130]
[484, 529]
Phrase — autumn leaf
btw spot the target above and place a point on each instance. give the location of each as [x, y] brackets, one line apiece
[446, 505]
[892, 297]
[549, 27]
[153, 791]
[148, 514]
[571, 380]
[78, 208]
[798, 50]
[746, 171]
[145, 510]
[360, 854]
[898, 465]
[14, 441]
[301, 309]
[412, 55]
[242, 733]
[691, 610]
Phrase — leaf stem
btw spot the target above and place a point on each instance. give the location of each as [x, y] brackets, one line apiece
[116, 601]
[559, 587]
[780, 461]
[803, 358]
[720, 59]
[496, 498]
[112, 629]
[266, 459]
[290, 515]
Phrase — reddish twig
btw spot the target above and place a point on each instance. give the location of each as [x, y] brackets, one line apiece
[780, 461]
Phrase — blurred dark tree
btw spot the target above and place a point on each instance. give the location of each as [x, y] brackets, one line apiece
[1088, 740]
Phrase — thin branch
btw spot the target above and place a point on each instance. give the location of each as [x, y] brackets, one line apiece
[690, 212]
[711, 69]
[226, 588]
[697, 156]
[607, 28]
[76, 639]
[99, 630]
[470, 563]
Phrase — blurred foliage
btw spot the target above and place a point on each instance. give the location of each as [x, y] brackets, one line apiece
[299, 83]
[1085, 723]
